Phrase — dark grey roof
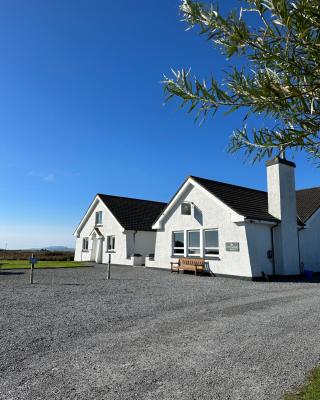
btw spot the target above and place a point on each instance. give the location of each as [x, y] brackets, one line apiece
[308, 202]
[133, 214]
[252, 203]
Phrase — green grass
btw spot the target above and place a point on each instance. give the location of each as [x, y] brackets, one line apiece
[18, 264]
[311, 391]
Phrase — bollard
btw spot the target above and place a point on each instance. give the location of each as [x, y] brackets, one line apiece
[31, 269]
[109, 267]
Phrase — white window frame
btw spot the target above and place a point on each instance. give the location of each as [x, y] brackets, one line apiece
[205, 248]
[85, 247]
[198, 254]
[98, 220]
[111, 249]
[174, 248]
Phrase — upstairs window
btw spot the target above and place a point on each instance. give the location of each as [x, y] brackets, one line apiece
[85, 243]
[186, 208]
[194, 243]
[178, 243]
[211, 242]
[111, 243]
[99, 218]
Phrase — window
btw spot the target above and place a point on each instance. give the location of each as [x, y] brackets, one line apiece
[99, 218]
[85, 243]
[111, 241]
[211, 242]
[194, 243]
[186, 208]
[178, 243]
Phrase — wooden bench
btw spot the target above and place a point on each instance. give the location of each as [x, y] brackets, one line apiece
[188, 264]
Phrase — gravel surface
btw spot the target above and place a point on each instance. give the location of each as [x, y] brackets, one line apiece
[150, 334]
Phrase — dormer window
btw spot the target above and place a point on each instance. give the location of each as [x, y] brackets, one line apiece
[99, 218]
[186, 208]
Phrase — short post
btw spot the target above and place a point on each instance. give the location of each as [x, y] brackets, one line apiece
[31, 269]
[109, 267]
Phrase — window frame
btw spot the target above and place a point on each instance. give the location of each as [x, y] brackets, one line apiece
[173, 247]
[205, 247]
[98, 221]
[198, 254]
[85, 247]
[108, 248]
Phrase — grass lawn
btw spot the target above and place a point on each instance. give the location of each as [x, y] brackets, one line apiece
[311, 391]
[15, 264]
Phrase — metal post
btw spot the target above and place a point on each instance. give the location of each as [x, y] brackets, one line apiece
[31, 270]
[109, 267]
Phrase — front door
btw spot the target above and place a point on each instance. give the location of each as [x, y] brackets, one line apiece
[99, 250]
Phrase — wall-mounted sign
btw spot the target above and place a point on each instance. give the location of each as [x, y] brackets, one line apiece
[232, 246]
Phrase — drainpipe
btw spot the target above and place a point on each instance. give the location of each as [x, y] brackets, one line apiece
[299, 249]
[134, 241]
[272, 244]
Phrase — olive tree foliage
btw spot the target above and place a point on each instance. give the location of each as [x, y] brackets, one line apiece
[280, 80]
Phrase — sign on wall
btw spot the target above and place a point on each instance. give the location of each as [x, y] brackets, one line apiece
[232, 246]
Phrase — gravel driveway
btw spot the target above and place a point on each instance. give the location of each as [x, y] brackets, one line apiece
[154, 335]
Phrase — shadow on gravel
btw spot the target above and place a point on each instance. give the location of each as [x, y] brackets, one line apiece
[11, 273]
[296, 279]
[72, 284]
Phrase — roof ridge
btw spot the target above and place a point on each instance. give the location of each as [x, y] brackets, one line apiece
[130, 198]
[228, 184]
[314, 187]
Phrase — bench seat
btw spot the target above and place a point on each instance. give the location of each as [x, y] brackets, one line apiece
[188, 264]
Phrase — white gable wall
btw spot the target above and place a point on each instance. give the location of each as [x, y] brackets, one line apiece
[110, 226]
[208, 215]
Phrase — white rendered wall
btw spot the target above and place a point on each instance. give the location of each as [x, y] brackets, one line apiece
[259, 243]
[110, 226]
[211, 215]
[310, 244]
[145, 242]
[282, 205]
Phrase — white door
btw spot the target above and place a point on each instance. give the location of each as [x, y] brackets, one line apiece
[99, 250]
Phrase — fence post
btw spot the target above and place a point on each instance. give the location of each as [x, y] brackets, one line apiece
[109, 267]
[31, 270]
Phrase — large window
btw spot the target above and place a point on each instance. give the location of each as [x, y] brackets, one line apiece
[178, 243]
[111, 243]
[211, 242]
[99, 218]
[85, 243]
[194, 243]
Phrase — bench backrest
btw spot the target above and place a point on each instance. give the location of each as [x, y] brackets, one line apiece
[191, 261]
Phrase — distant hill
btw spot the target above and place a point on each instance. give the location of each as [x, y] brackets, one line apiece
[52, 248]
[59, 248]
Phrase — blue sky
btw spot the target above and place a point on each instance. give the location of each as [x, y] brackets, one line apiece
[81, 112]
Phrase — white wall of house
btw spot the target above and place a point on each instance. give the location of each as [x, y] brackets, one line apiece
[310, 243]
[259, 243]
[126, 242]
[212, 215]
[110, 226]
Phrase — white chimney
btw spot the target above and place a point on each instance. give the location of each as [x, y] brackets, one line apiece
[282, 205]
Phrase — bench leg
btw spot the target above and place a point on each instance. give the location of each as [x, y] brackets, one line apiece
[195, 271]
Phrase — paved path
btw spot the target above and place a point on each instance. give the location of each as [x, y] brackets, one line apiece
[153, 335]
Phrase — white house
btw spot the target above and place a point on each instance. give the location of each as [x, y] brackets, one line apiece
[240, 231]
[117, 225]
